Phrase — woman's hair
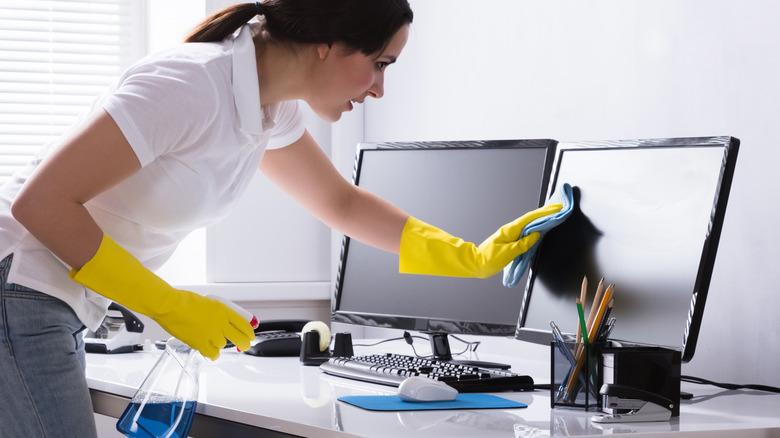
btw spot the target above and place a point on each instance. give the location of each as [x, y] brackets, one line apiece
[362, 25]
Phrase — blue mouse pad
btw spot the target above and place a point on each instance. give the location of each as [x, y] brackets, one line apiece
[463, 401]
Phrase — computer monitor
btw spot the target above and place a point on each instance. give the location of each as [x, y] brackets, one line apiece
[648, 216]
[467, 188]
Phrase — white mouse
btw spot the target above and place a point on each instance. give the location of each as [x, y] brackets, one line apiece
[423, 389]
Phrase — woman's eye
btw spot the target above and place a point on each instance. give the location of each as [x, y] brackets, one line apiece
[381, 65]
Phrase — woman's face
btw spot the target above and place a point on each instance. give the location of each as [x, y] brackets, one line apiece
[341, 78]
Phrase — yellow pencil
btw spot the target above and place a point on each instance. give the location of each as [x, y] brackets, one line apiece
[595, 305]
[600, 313]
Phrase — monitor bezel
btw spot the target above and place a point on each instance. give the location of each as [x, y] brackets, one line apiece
[700, 291]
[422, 324]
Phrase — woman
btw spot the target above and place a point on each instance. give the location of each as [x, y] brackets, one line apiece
[169, 149]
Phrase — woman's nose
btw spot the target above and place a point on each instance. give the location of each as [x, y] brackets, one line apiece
[377, 89]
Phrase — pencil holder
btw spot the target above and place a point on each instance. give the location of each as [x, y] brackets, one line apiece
[575, 377]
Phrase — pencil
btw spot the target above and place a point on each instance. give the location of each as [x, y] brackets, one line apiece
[582, 299]
[606, 299]
[583, 327]
[596, 298]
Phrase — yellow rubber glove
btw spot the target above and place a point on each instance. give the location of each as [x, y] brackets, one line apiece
[428, 250]
[200, 322]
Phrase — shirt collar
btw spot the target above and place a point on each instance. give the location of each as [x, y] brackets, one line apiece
[253, 118]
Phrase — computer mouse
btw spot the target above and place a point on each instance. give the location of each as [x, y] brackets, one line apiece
[422, 389]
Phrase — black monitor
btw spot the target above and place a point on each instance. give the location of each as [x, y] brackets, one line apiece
[648, 216]
[467, 188]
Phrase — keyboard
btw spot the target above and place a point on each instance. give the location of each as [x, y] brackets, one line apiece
[392, 369]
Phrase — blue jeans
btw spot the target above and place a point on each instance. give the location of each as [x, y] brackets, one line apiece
[43, 388]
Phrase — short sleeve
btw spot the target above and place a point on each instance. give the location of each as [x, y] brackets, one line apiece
[161, 105]
[288, 126]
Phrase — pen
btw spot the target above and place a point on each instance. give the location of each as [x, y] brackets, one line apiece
[607, 329]
[561, 344]
[604, 321]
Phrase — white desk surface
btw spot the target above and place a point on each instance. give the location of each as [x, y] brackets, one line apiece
[282, 395]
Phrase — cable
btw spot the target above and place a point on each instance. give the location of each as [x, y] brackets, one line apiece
[470, 346]
[409, 339]
[406, 337]
[731, 386]
[377, 343]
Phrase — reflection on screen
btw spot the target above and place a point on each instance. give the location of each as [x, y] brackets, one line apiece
[642, 219]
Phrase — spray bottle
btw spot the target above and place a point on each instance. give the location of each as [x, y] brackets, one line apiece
[165, 403]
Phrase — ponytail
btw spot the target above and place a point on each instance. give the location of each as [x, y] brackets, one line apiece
[221, 24]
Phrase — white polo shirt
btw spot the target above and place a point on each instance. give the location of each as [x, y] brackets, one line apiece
[192, 115]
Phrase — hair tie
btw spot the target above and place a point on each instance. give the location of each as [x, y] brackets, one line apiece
[259, 9]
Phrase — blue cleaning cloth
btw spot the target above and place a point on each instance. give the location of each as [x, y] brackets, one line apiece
[463, 401]
[515, 270]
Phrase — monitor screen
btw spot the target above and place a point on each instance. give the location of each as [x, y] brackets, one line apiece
[469, 189]
[647, 218]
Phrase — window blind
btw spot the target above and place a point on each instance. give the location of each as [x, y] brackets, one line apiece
[55, 57]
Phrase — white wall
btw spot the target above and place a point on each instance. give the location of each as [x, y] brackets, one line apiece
[612, 69]
[166, 24]
[618, 69]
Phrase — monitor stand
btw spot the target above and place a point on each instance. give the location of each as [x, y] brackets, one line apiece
[440, 348]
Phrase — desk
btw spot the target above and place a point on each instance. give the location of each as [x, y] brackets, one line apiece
[243, 395]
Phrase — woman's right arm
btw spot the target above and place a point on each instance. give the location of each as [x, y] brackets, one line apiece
[51, 205]
[95, 157]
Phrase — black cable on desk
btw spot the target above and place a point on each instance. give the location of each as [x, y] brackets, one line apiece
[702, 381]
[731, 386]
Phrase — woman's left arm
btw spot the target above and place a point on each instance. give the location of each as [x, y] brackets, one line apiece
[304, 172]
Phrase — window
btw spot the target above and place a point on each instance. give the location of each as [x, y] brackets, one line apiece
[55, 57]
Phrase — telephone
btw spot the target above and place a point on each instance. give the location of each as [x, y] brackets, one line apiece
[278, 337]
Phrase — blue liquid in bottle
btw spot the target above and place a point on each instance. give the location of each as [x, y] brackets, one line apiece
[159, 419]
